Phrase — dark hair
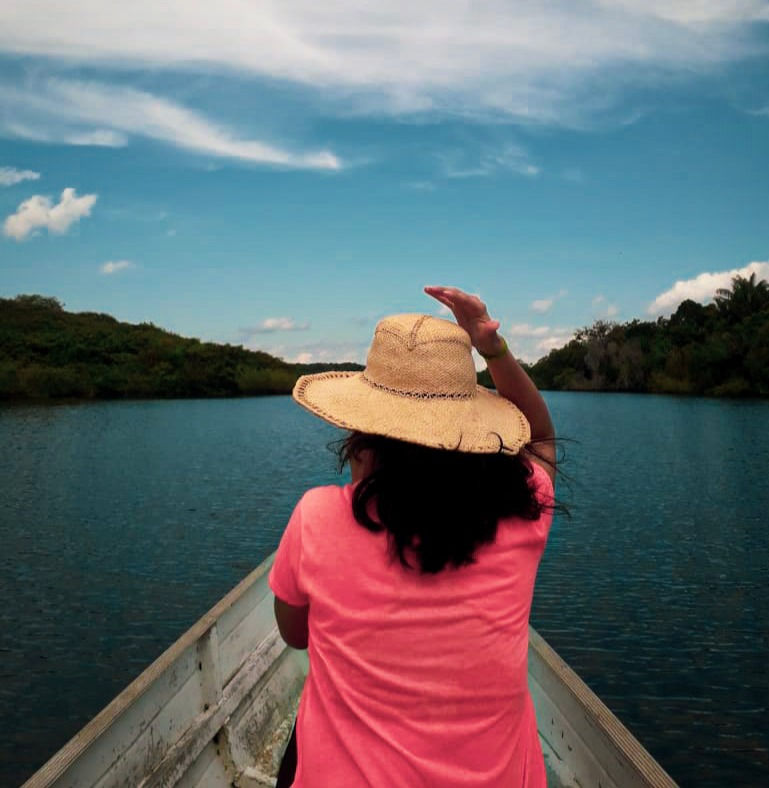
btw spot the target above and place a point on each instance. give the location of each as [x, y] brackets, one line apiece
[439, 505]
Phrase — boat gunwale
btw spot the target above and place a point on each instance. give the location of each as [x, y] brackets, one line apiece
[591, 707]
[63, 758]
[601, 716]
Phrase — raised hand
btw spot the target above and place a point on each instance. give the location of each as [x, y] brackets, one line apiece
[470, 313]
[510, 379]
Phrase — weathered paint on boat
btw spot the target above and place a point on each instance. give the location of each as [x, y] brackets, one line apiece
[215, 709]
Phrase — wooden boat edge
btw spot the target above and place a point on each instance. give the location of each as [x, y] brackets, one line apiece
[573, 723]
[583, 741]
[55, 766]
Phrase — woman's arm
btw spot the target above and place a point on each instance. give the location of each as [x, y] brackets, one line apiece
[509, 378]
[292, 623]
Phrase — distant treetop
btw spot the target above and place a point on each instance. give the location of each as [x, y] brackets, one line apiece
[39, 301]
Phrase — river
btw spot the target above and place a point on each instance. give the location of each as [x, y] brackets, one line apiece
[122, 522]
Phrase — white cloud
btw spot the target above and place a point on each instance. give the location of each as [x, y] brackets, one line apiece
[509, 158]
[314, 352]
[40, 130]
[271, 324]
[555, 62]
[10, 176]
[105, 138]
[555, 340]
[696, 12]
[543, 305]
[603, 309]
[703, 287]
[114, 266]
[532, 342]
[38, 211]
[527, 330]
[302, 358]
[50, 109]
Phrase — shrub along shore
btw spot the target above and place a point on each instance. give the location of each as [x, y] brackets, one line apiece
[718, 349]
[49, 353]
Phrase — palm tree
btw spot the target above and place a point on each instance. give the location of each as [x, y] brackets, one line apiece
[746, 297]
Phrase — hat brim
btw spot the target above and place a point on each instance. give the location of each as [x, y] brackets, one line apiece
[483, 424]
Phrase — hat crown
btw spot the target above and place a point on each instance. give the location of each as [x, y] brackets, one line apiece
[421, 355]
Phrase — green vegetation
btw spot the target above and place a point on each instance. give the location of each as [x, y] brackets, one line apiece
[721, 349]
[47, 353]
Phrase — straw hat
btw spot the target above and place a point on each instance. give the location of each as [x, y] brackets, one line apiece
[419, 386]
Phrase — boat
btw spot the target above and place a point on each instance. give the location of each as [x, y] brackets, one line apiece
[217, 708]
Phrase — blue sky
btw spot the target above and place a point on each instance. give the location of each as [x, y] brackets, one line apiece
[280, 175]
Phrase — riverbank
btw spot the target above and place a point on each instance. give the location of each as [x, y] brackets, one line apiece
[47, 353]
[720, 349]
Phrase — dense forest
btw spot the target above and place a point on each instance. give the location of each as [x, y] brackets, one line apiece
[47, 353]
[718, 349]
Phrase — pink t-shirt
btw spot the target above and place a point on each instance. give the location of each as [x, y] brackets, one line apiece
[415, 680]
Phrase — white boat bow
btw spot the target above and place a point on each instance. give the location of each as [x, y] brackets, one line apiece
[216, 709]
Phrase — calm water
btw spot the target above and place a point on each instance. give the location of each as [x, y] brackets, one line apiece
[121, 523]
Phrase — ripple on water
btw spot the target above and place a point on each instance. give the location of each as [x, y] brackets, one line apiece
[123, 522]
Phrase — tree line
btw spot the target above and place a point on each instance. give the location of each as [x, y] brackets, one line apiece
[718, 349]
[48, 353]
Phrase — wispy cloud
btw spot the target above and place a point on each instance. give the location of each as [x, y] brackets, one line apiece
[47, 130]
[536, 62]
[558, 338]
[271, 324]
[602, 308]
[543, 305]
[694, 13]
[104, 138]
[58, 110]
[10, 176]
[39, 212]
[703, 286]
[314, 352]
[420, 186]
[509, 158]
[530, 342]
[115, 266]
[527, 330]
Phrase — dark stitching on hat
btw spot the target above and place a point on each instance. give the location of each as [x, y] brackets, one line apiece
[444, 341]
[424, 341]
[413, 394]
[314, 408]
[413, 334]
[391, 332]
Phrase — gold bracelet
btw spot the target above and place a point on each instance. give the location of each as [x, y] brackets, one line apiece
[498, 354]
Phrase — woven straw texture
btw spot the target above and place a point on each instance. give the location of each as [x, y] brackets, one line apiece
[419, 386]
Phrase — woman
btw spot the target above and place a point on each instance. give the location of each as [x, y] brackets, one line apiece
[412, 586]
